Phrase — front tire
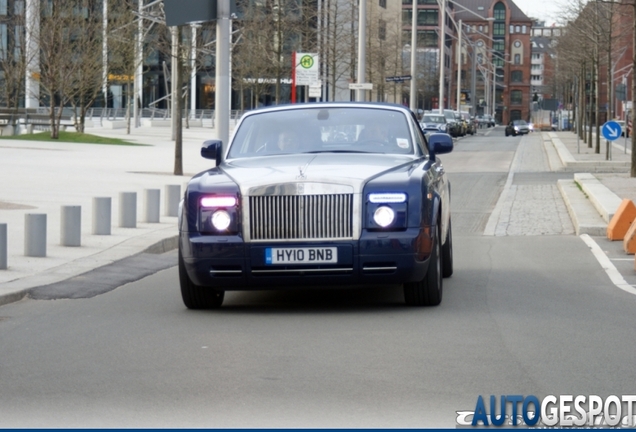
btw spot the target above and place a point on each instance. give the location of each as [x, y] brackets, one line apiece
[195, 296]
[447, 253]
[428, 291]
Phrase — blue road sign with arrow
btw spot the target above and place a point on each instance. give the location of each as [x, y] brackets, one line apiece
[611, 130]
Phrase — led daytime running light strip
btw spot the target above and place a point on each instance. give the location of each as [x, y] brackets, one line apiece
[383, 198]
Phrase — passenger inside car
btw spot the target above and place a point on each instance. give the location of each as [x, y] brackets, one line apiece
[374, 133]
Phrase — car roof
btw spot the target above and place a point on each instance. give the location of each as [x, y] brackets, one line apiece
[308, 105]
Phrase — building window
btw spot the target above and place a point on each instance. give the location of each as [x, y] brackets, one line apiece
[515, 115]
[497, 61]
[517, 59]
[3, 7]
[18, 7]
[516, 76]
[17, 44]
[427, 17]
[512, 29]
[383, 4]
[523, 29]
[499, 12]
[481, 28]
[518, 29]
[498, 45]
[499, 29]
[382, 29]
[516, 97]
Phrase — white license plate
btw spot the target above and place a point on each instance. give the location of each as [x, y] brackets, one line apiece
[308, 255]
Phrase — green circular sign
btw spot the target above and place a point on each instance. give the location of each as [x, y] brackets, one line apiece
[307, 61]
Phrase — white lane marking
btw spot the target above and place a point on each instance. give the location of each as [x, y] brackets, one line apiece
[622, 259]
[614, 275]
[493, 220]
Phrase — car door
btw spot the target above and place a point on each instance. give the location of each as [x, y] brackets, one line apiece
[438, 182]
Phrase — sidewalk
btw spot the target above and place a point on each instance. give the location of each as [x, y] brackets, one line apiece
[599, 184]
[39, 177]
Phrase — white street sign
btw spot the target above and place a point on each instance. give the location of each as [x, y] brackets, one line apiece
[315, 90]
[306, 69]
[361, 86]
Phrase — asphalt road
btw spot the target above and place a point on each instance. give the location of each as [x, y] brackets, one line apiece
[522, 314]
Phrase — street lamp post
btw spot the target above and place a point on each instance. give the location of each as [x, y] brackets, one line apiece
[459, 63]
[362, 54]
[413, 90]
[442, 37]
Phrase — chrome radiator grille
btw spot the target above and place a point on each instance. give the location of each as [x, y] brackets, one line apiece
[290, 217]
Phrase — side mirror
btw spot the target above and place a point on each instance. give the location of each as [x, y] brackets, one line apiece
[213, 149]
[439, 143]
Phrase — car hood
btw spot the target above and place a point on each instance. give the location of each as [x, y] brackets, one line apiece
[343, 172]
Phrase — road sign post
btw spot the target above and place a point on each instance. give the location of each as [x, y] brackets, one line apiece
[611, 131]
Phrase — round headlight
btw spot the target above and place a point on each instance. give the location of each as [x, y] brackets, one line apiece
[384, 216]
[221, 220]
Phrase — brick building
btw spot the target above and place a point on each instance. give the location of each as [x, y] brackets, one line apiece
[499, 34]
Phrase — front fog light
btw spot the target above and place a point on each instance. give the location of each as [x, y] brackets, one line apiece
[221, 220]
[384, 216]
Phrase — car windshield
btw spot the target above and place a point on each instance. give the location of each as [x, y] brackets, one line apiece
[434, 119]
[520, 123]
[449, 115]
[322, 130]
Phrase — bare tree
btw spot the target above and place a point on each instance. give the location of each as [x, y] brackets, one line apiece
[13, 61]
[59, 36]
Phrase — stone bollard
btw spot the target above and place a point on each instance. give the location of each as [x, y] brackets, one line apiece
[152, 205]
[128, 209]
[3, 247]
[35, 235]
[173, 197]
[102, 213]
[71, 226]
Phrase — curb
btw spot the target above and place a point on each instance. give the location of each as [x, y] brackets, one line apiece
[570, 164]
[26, 285]
[604, 200]
[584, 216]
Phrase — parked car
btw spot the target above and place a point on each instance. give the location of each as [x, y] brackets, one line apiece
[517, 127]
[470, 126]
[624, 128]
[433, 123]
[462, 122]
[453, 116]
[326, 195]
[454, 126]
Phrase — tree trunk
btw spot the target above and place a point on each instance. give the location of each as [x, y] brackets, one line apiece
[178, 142]
[597, 148]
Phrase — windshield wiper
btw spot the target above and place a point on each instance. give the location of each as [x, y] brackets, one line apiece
[337, 151]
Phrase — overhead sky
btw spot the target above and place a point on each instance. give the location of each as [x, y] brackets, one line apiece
[545, 10]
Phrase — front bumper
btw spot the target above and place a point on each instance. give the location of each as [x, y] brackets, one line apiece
[377, 258]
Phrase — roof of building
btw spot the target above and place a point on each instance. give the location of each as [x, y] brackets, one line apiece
[542, 44]
[481, 8]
